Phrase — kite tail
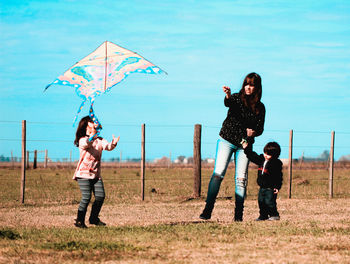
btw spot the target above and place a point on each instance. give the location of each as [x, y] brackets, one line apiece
[76, 116]
[95, 120]
[47, 87]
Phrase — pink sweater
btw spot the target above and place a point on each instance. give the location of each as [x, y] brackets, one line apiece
[89, 165]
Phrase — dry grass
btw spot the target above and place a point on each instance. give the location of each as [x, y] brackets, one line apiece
[56, 187]
[310, 231]
[165, 228]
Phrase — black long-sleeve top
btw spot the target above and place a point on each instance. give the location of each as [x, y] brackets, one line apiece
[270, 176]
[239, 118]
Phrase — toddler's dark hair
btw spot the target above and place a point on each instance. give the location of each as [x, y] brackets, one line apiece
[273, 149]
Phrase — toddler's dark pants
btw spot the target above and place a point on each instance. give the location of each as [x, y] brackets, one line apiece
[267, 203]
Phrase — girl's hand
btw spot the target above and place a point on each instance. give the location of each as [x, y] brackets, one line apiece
[227, 91]
[115, 140]
[251, 132]
[275, 191]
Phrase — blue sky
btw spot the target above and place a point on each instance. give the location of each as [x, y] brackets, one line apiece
[300, 48]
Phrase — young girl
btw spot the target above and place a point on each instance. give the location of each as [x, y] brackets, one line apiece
[88, 171]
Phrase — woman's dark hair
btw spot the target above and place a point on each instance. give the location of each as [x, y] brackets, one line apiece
[273, 149]
[252, 101]
[81, 130]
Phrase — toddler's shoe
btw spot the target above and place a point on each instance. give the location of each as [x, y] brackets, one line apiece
[274, 218]
[261, 218]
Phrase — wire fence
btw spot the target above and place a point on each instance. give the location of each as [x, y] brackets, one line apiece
[169, 149]
[169, 141]
[53, 186]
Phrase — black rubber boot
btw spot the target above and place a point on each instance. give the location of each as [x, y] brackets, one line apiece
[238, 214]
[213, 190]
[95, 211]
[206, 214]
[80, 221]
[239, 209]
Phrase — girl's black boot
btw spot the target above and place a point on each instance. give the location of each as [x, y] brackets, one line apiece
[95, 211]
[80, 221]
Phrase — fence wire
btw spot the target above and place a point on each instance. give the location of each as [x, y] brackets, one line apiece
[165, 145]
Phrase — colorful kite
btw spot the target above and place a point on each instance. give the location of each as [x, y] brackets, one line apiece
[104, 68]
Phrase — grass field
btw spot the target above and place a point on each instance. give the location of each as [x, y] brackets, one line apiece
[165, 227]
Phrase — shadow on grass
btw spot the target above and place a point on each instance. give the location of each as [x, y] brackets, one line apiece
[189, 199]
[185, 223]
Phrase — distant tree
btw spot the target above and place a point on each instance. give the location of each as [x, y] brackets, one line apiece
[133, 160]
[4, 159]
[324, 155]
[181, 158]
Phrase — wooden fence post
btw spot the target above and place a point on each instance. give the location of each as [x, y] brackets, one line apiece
[143, 162]
[35, 159]
[12, 160]
[24, 163]
[290, 164]
[70, 159]
[27, 160]
[120, 159]
[169, 164]
[45, 161]
[331, 165]
[197, 161]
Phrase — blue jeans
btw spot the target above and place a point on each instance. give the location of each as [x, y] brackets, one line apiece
[224, 151]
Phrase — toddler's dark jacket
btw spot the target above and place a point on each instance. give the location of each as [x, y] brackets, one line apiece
[269, 177]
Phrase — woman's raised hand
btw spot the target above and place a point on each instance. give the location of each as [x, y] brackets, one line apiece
[115, 140]
[227, 91]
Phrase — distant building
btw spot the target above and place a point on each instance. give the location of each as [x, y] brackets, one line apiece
[344, 158]
[162, 161]
[188, 160]
[209, 160]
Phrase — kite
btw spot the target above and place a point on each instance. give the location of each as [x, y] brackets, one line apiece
[102, 69]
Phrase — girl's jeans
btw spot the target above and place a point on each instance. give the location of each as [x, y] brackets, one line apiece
[224, 151]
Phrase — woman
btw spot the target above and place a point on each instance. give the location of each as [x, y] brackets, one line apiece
[245, 120]
[88, 171]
